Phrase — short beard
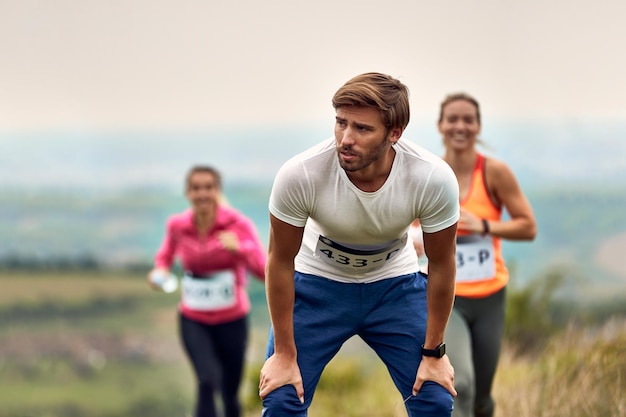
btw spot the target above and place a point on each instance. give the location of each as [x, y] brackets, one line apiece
[364, 160]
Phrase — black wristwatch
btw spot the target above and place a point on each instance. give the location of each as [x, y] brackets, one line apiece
[437, 352]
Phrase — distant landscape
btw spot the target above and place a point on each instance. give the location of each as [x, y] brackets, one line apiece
[581, 229]
[570, 152]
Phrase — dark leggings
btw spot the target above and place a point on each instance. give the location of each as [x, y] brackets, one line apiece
[473, 339]
[217, 353]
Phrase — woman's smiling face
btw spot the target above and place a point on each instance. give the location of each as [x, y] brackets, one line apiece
[459, 125]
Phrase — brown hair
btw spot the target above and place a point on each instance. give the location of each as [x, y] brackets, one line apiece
[205, 169]
[459, 96]
[379, 91]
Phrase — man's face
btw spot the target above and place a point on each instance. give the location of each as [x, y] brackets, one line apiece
[361, 137]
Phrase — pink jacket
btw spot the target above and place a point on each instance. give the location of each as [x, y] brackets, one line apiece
[201, 256]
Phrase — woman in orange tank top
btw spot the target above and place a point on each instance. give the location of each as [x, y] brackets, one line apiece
[487, 186]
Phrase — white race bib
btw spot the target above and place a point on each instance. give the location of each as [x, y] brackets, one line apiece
[475, 258]
[353, 259]
[215, 292]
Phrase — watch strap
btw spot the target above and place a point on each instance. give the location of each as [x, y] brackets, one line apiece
[437, 352]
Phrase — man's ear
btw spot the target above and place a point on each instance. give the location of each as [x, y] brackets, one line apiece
[395, 134]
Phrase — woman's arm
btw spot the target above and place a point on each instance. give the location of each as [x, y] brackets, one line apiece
[250, 247]
[503, 189]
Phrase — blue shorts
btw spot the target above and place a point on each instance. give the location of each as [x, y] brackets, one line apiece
[389, 315]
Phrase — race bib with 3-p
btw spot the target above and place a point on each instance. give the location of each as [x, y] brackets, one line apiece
[475, 258]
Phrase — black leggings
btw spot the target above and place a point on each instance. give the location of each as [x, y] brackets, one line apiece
[217, 353]
[473, 338]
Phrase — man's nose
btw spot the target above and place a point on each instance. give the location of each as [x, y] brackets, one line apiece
[347, 137]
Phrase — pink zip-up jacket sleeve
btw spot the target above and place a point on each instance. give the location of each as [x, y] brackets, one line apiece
[203, 255]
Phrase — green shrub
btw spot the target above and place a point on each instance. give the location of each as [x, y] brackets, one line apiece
[530, 311]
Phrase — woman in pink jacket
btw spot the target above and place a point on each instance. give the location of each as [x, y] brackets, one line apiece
[217, 246]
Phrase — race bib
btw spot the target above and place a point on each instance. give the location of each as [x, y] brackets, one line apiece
[353, 259]
[215, 292]
[475, 258]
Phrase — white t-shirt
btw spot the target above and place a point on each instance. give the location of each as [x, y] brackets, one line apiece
[356, 236]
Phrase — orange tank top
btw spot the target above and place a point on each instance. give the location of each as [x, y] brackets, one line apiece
[481, 270]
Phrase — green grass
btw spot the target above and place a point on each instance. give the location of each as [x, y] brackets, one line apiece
[109, 389]
[102, 345]
[580, 373]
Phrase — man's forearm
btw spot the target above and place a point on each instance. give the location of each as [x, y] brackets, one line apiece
[280, 299]
[440, 299]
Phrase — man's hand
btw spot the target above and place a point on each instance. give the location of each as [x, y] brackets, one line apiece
[438, 370]
[278, 371]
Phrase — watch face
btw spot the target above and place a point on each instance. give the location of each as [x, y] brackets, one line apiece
[442, 349]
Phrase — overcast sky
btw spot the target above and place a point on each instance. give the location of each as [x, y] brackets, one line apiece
[153, 64]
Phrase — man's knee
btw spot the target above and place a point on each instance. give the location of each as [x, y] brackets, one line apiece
[433, 400]
[282, 402]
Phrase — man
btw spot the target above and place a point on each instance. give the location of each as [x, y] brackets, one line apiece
[340, 263]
